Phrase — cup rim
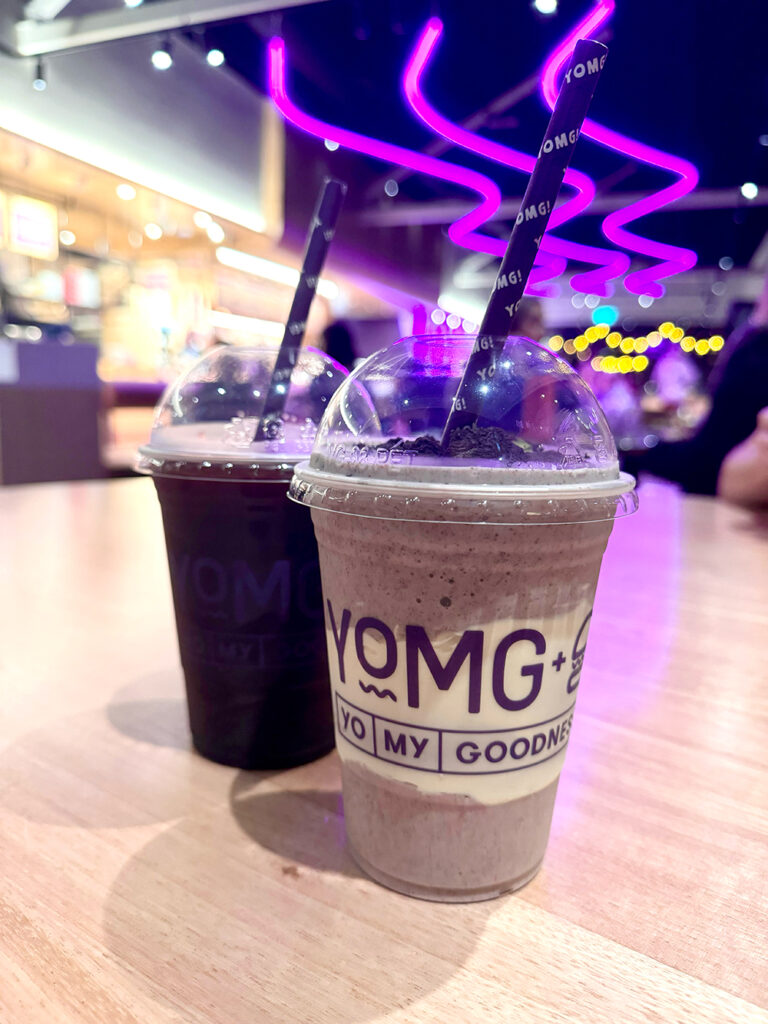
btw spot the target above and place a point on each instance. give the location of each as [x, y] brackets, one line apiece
[478, 504]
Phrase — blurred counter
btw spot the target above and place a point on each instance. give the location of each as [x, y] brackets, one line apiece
[50, 412]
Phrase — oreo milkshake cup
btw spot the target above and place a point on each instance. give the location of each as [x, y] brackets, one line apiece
[243, 558]
[458, 583]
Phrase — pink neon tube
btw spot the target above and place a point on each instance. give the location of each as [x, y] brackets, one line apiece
[612, 264]
[462, 231]
[675, 259]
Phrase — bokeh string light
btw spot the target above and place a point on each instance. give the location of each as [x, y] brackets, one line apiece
[628, 352]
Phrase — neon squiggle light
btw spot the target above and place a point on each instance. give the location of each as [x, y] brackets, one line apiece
[613, 264]
[462, 231]
[675, 259]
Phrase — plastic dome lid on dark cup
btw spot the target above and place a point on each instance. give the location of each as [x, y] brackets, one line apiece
[207, 420]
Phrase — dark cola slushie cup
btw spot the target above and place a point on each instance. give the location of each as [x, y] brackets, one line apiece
[458, 585]
[243, 558]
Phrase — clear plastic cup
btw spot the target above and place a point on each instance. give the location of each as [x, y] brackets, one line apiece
[243, 558]
[458, 585]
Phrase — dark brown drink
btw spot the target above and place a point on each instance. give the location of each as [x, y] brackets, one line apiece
[242, 557]
[246, 592]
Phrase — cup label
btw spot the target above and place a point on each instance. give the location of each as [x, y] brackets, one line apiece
[488, 709]
[232, 613]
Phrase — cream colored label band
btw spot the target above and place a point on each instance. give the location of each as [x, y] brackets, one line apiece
[485, 712]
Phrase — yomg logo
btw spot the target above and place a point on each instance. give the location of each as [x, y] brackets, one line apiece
[590, 67]
[560, 141]
[485, 670]
[233, 590]
[534, 211]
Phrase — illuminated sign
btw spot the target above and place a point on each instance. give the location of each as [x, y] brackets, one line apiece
[33, 228]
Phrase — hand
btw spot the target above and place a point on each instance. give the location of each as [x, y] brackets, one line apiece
[743, 476]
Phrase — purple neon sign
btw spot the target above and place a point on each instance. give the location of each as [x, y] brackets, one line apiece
[612, 264]
[674, 259]
[461, 231]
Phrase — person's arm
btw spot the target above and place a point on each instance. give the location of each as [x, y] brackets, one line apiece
[743, 478]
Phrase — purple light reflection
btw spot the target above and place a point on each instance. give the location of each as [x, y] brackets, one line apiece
[628, 664]
[612, 264]
[675, 259]
[462, 231]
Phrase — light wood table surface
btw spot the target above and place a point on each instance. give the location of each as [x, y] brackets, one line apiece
[140, 883]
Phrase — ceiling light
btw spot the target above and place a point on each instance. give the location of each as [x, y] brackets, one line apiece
[67, 237]
[125, 191]
[39, 83]
[133, 3]
[201, 219]
[246, 324]
[749, 190]
[161, 58]
[215, 58]
[391, 187]
[461, 306]
[270, 270]
[545, 6]
[725, 263]
[153, 231]
[330, 144]
[215, 232]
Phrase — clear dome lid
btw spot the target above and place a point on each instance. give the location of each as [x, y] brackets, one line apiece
[537, 433]
[207, 421]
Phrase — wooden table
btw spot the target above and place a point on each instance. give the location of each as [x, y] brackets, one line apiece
[140, 883]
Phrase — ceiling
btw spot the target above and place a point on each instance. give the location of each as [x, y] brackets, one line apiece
[687, 77]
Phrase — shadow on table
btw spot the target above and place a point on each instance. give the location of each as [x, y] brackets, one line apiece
[95, 769]
[260, 915]
[755, 522]
[142, 711]
[161, 721]
[278, 822]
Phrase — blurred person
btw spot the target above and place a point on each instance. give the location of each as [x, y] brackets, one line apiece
[337, 342]
[528, 320]
[739, 389]
[743, 478]
[675, 375]
[620, 401]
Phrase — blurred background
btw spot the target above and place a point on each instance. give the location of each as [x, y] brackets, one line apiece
[154, 198]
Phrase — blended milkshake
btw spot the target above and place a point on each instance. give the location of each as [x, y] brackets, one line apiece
[458, 593]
